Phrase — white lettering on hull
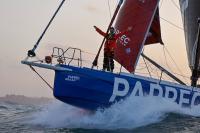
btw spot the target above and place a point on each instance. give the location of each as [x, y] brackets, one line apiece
[138, 88]
[194, 99]
[153, 88]
[184, 100]
[72, 78]
[173, 91]
[116, 91]
[122, 87]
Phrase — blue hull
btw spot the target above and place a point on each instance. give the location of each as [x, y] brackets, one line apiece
[92, 89]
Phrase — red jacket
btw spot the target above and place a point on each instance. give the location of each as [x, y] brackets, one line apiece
[110, 44]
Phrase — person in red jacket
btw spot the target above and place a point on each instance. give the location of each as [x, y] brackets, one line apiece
[110, 46]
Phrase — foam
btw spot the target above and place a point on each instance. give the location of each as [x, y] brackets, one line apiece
[128, 114]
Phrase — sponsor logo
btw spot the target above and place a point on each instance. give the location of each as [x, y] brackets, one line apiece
[124, 40]
[128, 50]
[72, 78]
[180, 96]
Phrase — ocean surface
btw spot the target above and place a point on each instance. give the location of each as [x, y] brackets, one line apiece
[135, 115]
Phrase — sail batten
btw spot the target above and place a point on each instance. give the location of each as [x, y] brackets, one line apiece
[143, 17]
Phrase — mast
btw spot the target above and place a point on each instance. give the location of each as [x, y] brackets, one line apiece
[190, 14]
[195, 71]
[31, 53]
[95, 62]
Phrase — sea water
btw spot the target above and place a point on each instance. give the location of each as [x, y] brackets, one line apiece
[134, 114]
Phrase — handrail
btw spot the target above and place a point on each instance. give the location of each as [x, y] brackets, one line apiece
[61, 55]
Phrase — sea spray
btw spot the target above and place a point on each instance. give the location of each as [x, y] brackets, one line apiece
[128, 114]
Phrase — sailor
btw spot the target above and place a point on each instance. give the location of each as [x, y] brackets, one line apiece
[109, 47]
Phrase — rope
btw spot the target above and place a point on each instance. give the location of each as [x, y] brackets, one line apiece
[147, 67]
[161, 3]
[178, 27]
[31, 53]
[181, 73]
[174, 3]
[166, 59]
[152, 70]
[41, 77]
[109, 9]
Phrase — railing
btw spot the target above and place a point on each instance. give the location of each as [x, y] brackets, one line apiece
[64, 57]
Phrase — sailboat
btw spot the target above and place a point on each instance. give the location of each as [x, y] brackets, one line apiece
[91, 89]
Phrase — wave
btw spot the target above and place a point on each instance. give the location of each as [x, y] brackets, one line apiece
[3, 107]
[128, 114]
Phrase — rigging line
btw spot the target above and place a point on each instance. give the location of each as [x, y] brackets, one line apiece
[31, 53]
[41, 77]
[171, 23]
[142, 68]
[161, 3]
[174, 3]
[171, 68]
[155, 71]
[95, 62]
[147, 67]
[92, 54]
[166, 59]
[146, 64]
[117, 3]
[174, 61]
[108, 1]
[152, 70]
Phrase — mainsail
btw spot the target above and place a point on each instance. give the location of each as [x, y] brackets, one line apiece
[143, 17]
[190, 14]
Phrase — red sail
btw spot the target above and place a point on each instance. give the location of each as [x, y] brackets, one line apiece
[154, 35]
[138, 14]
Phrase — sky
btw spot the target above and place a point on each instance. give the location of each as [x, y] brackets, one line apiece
[23, 21]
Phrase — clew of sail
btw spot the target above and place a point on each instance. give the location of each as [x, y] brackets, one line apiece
[143, 17]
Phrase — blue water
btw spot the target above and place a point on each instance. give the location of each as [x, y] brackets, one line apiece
[130, 116]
